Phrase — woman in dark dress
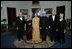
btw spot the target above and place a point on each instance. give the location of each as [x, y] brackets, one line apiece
[28, 27]
[61, 28]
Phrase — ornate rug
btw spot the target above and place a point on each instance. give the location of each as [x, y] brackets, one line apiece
[30, 44]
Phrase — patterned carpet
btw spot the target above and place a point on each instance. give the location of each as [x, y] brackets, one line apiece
[30, 44]
[9, 40]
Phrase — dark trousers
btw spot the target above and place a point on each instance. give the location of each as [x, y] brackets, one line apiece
[43, 34]
[20, 34]
[61, 36]
[53, 34]
[29, 35]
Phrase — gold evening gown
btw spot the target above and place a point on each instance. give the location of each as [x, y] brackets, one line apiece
[36, 31]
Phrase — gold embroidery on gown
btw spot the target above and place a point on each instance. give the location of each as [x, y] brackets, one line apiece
[36, 31]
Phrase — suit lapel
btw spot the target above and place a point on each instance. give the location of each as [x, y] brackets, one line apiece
[51, 18]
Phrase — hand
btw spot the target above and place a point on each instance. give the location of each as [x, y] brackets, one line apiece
[56, 29]
[49, 27]
[46, 27]
[64, 31]
[29, 23]
[40, 28]
[17, 28]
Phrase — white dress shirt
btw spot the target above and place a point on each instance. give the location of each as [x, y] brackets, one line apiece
[53, 17]
[21, 18]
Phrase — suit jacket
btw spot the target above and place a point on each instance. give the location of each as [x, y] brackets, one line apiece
[20, 23]
[43, 22]
[53, 24]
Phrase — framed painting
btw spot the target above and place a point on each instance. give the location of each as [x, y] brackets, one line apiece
[24, 11]
[48, 10]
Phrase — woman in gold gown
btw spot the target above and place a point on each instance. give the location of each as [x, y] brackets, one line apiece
[36, 31]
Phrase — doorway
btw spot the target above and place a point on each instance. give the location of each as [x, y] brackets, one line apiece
[11, 14]
[60, 9]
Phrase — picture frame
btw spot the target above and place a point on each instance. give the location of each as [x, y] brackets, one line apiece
[48, 10]
[24, 11]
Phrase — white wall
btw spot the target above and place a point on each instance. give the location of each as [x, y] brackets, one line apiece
[28, 5]
[68, 10]
[16, 4]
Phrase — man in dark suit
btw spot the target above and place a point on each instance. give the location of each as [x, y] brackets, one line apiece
[20, 24]
[43, 27]
[53, 25]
